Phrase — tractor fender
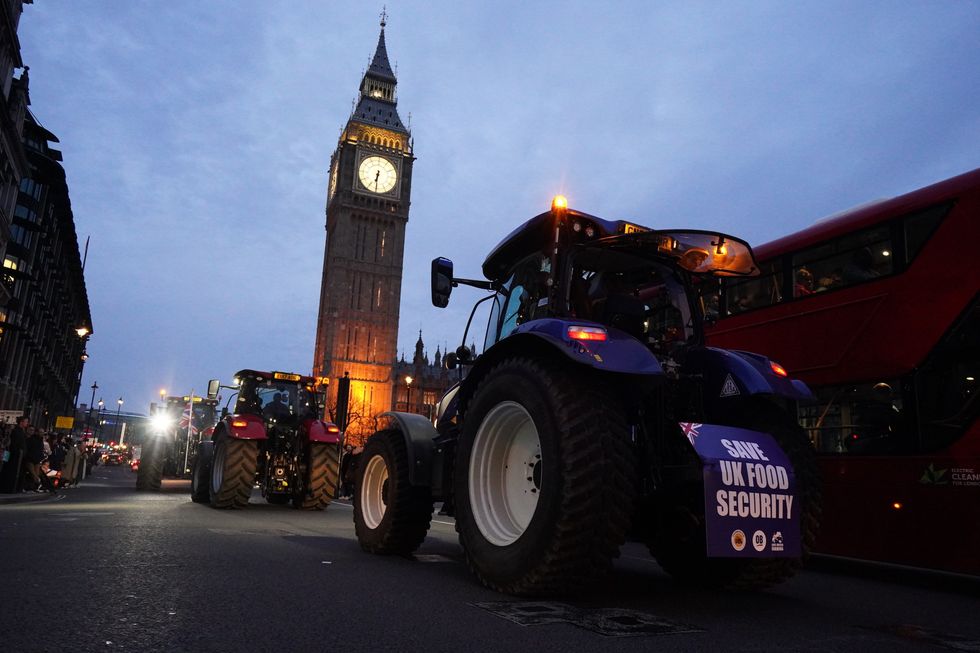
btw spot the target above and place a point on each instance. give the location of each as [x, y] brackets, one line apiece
[621, 353]
[730, 375]
[243, 427]
[419, 434]
[319, 431]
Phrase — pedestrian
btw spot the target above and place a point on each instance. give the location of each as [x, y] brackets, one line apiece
[33, 456]
[70, 467]
[12, 470]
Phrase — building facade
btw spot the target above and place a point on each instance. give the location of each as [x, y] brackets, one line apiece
[13, 106]
[368, 199]
[418, 384]
[44, 311]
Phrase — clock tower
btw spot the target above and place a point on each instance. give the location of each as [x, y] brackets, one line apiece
[368, 195]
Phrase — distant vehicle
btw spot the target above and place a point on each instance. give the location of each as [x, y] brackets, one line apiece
[171, 446]
[114, 458]
[275, 439]
[878, 310]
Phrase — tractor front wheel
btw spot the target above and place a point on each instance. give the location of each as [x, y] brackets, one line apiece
[391, 516]
[201, 473]
[149, 476]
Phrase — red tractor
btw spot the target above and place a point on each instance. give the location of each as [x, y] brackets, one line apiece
[274, 438]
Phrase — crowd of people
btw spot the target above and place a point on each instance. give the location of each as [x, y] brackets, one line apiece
[32, 460]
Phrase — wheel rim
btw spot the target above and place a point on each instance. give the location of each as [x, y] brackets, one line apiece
[505, 473]
[218, 468]
[372, 491]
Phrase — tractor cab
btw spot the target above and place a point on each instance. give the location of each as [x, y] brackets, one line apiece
[276, 397]
[566, 264]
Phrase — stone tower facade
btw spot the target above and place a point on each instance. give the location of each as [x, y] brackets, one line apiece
[368, 198]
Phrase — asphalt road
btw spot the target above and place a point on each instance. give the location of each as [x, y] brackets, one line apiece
[105, 568]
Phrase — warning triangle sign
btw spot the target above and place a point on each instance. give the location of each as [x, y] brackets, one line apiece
[729, 388]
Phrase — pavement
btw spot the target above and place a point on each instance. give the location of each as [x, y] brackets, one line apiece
[104, 567]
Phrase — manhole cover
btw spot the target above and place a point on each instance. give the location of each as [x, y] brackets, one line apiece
[611, 622]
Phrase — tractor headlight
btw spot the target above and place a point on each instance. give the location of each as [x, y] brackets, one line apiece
[161, 422]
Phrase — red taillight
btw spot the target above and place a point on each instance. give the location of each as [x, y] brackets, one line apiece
[777, 369]
[587, 333]
[333, 429]
[239, 423]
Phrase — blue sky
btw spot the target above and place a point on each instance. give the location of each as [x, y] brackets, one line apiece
[197, 137]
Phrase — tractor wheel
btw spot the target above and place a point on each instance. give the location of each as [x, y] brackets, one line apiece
[391, 516]
[544, 479]
[201, 473]
[323, 460]
[150, 473]
[687, 561]
[233, 472]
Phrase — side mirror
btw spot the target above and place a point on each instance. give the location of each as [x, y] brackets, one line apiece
[214, 385]
[463, 355]
[442, 281]
[450, 361]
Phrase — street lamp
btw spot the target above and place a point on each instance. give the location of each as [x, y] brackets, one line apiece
[408, 397]
[91, 405]
[118, 409]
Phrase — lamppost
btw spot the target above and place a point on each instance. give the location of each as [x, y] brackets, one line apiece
[91, 405]
[118, 409]
[408, 397]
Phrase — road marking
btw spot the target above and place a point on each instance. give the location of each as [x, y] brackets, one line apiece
[609, 622]
[433, 558]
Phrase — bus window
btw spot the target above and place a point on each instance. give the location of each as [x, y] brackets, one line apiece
[947, 383]
[856, 257]
[920, 226]
[755, 292]
[858, 419]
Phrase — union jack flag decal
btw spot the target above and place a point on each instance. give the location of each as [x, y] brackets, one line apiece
[690, 430]
[186, 419]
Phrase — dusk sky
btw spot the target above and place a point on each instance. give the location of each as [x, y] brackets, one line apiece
[197, 138]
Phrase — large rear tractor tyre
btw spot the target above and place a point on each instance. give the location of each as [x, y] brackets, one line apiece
[391, 516]
[150, 473]
[544, 479]
[687, 561]
[323, 459]
[233, 472]
[201, 473]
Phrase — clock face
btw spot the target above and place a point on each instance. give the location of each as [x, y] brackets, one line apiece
[377, 174]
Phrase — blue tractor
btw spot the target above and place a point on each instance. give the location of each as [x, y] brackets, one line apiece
[595, 411]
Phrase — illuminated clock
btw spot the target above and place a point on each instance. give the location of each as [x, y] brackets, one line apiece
[377, 174]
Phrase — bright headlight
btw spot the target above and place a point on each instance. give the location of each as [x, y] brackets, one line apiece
[161, 422]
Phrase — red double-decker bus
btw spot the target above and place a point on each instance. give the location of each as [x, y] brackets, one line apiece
[877, 310]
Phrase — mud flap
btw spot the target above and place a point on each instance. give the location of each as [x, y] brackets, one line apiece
[751, 503]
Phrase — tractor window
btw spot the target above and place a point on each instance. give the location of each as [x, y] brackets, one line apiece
[523, 297]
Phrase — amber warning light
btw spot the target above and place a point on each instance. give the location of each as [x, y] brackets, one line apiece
[778, 369]
[587, 333]
[559, 202]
